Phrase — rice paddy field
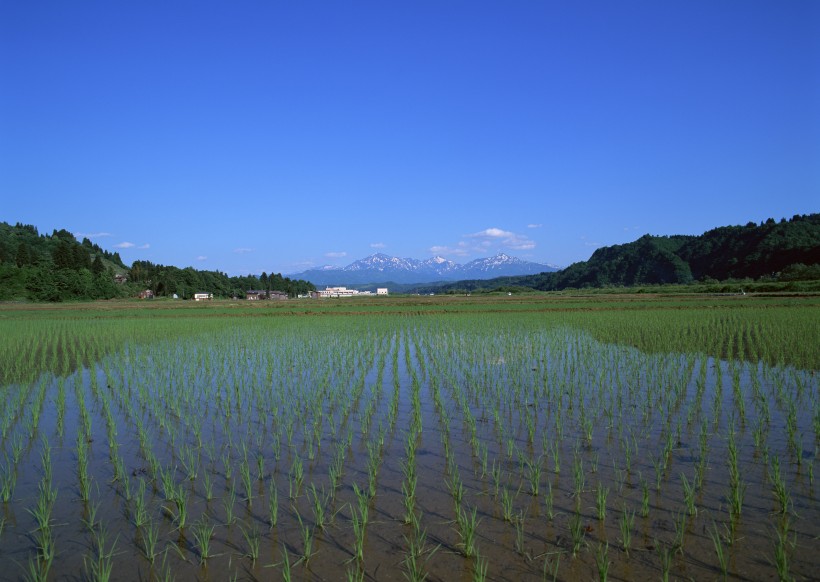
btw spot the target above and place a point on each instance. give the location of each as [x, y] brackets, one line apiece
[452, 438]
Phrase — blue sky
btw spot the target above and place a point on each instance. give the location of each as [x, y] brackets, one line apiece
[276, 136]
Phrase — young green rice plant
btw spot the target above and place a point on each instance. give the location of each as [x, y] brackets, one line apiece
[273, 504]
[507, 505]
[140, 511]
[416, 557]
[600, 501]
[556, 457]
[307, 541]
[717, 541]
[409, 490]
[737, 490]
[38, 569]
[548, 502]
[253, 540]
[779, 487]
[602, 561]
[100, 565]
[781, 552]
[688, 495]
[680, 532]
[644, 498]
[228, 502]
[16, 448]
[534, 476]
[496, 474]
[358, 535]
[456, 487]
[297, 476]
[480, 567]
[363, 501]
[665, 555]
[319, 501]
[180, 501]
[550, 569]
[467, 527]
[203, 531]
[8, 480]
[208, 485]
[578, 476]
[576, 531]
[247, 481]
[627, 522]
[660, 466]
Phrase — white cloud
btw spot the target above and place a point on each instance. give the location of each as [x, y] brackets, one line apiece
[145, 246]
[124, 245]
[201, 258]
[242, 251]
[491, 233]
[458, 251]
[378, 245]
[336, 254]
[534, 225]
[90, 235]
[495, 236]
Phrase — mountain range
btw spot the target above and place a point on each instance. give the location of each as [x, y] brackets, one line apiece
[382, 268]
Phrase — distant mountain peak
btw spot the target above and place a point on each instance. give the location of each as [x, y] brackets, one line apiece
[383, 268]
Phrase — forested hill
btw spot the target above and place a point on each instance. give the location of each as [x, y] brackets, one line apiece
[729, 252]
[784, 250]
[58, 267]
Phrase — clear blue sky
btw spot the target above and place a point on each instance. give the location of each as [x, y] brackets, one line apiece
[250, 136]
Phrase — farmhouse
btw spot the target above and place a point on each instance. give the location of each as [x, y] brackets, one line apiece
[381, 291]
[147, 294]
[256, 295]
[203, 296]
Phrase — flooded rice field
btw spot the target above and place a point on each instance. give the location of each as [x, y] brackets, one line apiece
[469, 447]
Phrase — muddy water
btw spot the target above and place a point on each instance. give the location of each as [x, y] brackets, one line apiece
[495, 408]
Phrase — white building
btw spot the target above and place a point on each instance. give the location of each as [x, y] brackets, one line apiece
[381, 291]
[343, 292]
[203, 296]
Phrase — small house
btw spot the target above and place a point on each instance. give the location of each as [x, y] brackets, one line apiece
[203, 296]
[147, 294]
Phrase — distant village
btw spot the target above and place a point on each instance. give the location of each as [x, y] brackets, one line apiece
[263, 295]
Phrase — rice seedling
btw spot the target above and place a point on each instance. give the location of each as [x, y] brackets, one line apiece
[601, 494]
[253, 540]
[99, 566]
[717, 542]
[576, 530]
[507, 505]
[467, 527]
[548, 502]
[307, 541]
[273, 504]
[203, 531]
[689, 496]
[627, 522]
[229, 502]
[665, 556]
[781, 552]
[149, 535]
[534, 476]
[602, 561]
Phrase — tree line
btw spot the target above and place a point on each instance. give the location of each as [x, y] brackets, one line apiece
[58, 267]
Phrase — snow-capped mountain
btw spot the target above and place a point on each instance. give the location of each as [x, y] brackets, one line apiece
[382, 268]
